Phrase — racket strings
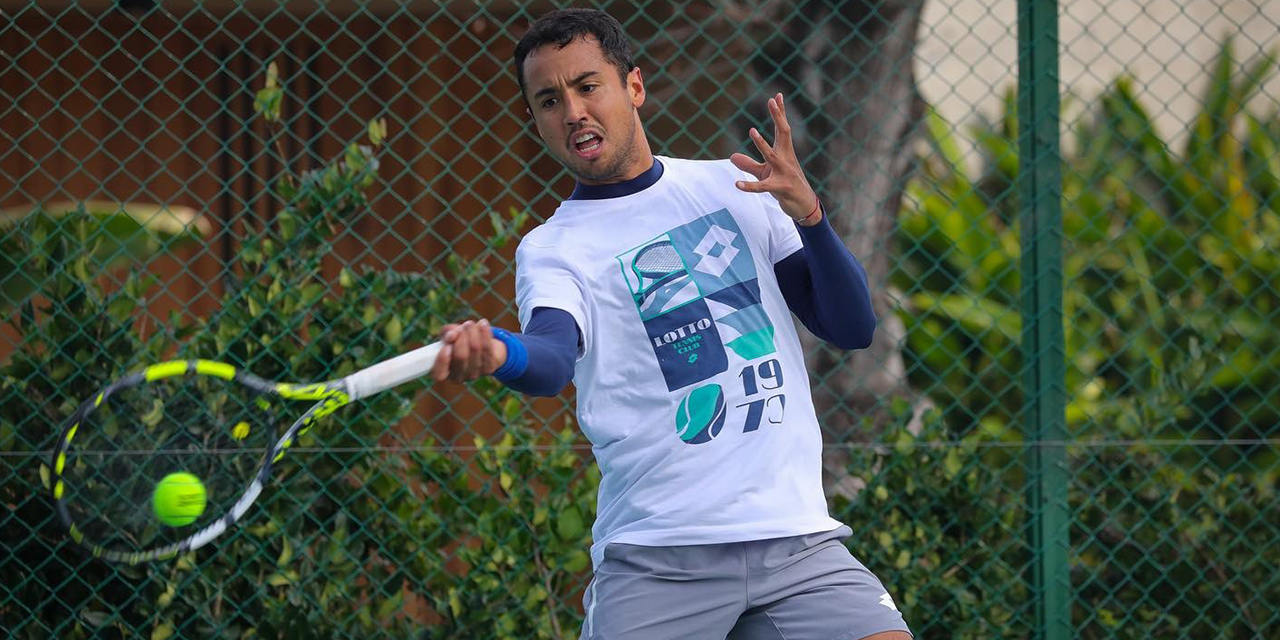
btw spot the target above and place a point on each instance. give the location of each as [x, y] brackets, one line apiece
[214, 429]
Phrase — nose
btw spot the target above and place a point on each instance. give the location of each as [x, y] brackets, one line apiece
[575, 110]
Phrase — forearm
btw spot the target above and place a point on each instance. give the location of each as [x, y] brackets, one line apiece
[540, 361]
[826, 287]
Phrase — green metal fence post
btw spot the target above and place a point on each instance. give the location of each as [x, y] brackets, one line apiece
[1040, 193]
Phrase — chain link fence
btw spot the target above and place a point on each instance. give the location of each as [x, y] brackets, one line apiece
[1066, 426]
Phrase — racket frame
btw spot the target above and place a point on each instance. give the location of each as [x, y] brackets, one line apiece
[327, 396]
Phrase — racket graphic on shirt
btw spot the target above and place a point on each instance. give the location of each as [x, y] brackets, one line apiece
[657, 265]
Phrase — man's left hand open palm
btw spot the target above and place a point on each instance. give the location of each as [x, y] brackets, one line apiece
[780, 174]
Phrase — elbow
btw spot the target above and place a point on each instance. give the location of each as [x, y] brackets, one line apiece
[869, 333]
[854, 343]
[560, 384]
[550, 389]
[557, 377]
[538, 388]
[539, 392]
[564, 373]
[859, 336]
[864, 340]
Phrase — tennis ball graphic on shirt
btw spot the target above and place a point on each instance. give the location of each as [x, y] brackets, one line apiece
[701, 414]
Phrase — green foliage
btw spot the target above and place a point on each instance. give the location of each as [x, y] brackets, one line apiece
[937, 520]
[1166, 542]
[1171, 293]
[38, 247]
[74, 336]
[365, 531]
[1174, 549]
[1169, 261]
[527, 529]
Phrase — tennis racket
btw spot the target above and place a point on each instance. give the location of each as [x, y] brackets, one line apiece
[219, 423]
[659, 264]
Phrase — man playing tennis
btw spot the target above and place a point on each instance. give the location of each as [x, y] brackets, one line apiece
[663, 287]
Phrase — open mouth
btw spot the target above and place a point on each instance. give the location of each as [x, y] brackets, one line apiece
[587, 145]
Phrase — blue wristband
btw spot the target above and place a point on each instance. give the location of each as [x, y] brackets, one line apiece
[517, 356]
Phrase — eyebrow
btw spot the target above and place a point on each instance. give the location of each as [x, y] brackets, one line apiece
[576, 81]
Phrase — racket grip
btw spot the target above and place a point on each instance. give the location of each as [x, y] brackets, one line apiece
[393, 372]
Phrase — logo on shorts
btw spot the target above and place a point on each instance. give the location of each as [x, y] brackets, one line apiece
[887, 601]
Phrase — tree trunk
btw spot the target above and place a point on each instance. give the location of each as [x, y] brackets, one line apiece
[854, 82]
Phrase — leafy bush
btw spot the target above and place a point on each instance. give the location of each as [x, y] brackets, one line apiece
[939, 522]
[353, 538]
[111, 234]
[1169, 264]
[1171, 292]
[1161, 548]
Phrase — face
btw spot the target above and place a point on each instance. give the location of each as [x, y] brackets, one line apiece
[585, 113]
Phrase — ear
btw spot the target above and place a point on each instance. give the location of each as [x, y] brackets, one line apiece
[635, 87]
[532, 122]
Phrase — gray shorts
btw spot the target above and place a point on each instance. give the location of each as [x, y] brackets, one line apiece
[800, 588]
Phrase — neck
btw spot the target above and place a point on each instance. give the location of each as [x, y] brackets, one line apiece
[640, 182]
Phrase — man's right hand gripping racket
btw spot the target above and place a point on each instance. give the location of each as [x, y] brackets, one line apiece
[199, 417]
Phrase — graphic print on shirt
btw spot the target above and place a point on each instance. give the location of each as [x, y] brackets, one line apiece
[698, 296]
[701, 414]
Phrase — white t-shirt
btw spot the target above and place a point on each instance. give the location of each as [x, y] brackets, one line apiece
[691, 381]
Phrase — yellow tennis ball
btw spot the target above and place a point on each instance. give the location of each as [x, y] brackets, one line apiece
[179, 499]
[240, 431]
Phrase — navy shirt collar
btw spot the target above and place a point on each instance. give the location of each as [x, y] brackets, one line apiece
[618, 189]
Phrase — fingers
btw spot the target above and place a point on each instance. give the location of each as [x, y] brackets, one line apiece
[467, 352]
[470, 348]
[488, 359]
[479, 351]
[782, 141]
[440, 369]
[781, 128]
[748, 164]
[780, 173]
[765, 150]
[759, 170]
[759, 186]
[462, 354]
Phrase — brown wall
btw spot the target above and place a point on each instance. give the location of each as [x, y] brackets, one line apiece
[158, 108]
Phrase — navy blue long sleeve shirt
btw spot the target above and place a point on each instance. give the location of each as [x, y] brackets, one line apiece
[826, 287]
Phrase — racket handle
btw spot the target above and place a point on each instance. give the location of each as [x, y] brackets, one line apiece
[391, 373]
